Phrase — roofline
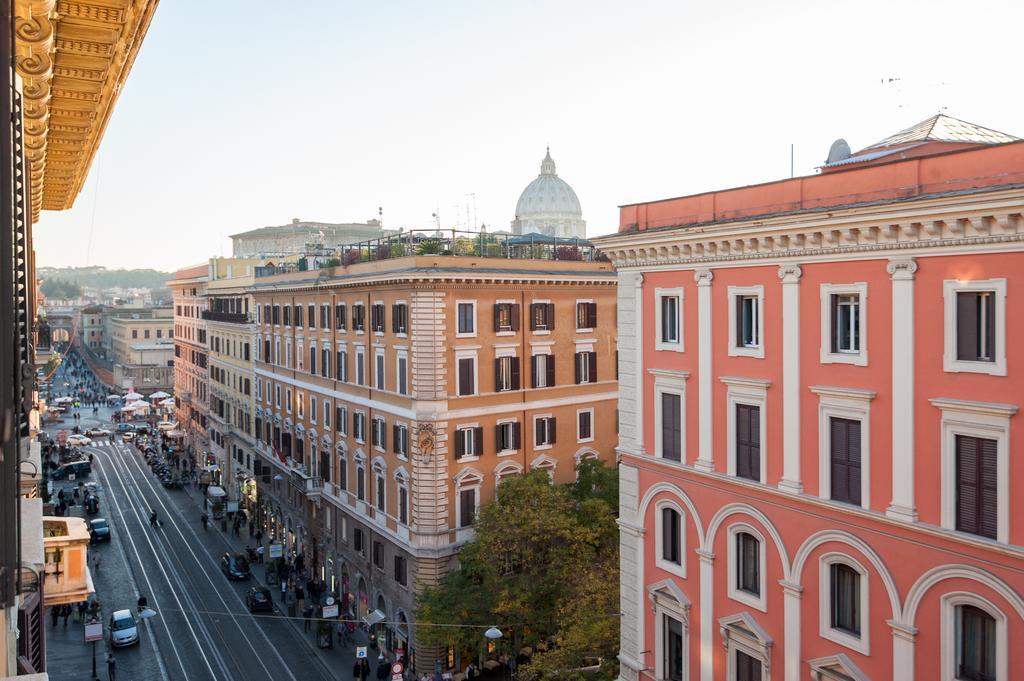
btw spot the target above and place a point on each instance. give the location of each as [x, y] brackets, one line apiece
[831, 173]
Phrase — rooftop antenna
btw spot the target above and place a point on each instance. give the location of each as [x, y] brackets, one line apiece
[473, 194]
[380, 215]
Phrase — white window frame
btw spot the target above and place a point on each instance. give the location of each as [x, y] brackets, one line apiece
[678, 569]
[536, 446]
[669, 604]
[380, 369]
[660, 344]
[403, 427]
[542, 376]
[360, 365]
[827, 356]
[327, 414]
[845, 403]
[593, 425]
[510, 353]
[754, 392]
[948, 633]
[673, 383]
[861, 644]
[366, 322]
[288, 400]
[408, 318]
[468, 478]
[344, 421]
[359, 434]
[760, 601]
[467, 354]
[473, 333]
[950, 363]
[381, 422]
[541, 332]
[507, 422]
[735, 350]
[384, 317]
[312, 408]
[736, 630]
[976, 419]
[460, 431]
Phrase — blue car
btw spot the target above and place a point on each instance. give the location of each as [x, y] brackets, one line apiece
[124, 427]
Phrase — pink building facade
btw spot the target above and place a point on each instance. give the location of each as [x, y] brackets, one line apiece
[820, 434]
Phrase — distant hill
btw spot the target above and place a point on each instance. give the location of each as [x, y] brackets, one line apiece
[101, 277]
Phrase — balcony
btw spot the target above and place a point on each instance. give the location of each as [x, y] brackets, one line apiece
[229, 317]
[310, 485]
[66, 577]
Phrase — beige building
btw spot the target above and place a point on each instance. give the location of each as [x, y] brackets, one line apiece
[142, 349]
[296, 237]
[191, 397]
[392, 397]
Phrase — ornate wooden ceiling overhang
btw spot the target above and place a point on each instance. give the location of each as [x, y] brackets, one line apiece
[73, 57]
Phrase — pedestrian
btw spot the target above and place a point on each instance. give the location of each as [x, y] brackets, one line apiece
[66, 612]
[284, 585]
[60, 495]
[383, 669]
[96, 562]
[356, 670]
[54, 614]
[74, 496]
[82, 607]
[111, 667]
[259, 536]
[364, 669]
[307, 613]
[259, 554]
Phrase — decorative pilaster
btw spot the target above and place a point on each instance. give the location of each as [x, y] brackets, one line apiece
[791, 594]
[630, 317]
[707, 620]
[902, 650]
[631, 596]
[705, 460]
[902, 272]
[790, 277]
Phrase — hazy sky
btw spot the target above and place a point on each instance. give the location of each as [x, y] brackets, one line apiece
[244, 113]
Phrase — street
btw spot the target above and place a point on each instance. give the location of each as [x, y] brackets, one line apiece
[202, 629]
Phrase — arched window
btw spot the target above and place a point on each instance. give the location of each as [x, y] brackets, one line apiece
[746, 566]
[975, 644]
[844, 601]
[669, 540]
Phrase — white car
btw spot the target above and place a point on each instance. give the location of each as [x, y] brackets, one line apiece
[97, 432]
[128, 435]
[166, 425]
[123, 630]
[79, 440]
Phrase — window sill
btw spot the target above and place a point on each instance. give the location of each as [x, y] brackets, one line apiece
[589, 439]
[856, 358]
[668, 566]
[508, 452]
[466, 459]
[957, 366]
[668, 347]
[846, 640]
[746, 351]
[541, 332]
[466, 335]
[748, 599]
[586, 330]
[538, 448]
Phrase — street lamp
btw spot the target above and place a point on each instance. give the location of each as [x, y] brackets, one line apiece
[494, 634]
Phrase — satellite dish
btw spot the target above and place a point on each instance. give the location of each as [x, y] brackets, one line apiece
[839, 151]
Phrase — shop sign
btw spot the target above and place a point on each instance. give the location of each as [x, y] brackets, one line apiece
[361, 652]
[331, 610]
[276, 550]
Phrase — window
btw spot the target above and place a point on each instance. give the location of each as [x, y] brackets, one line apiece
[543, 431]
[378, 433]
[312, 409]
[400, 570]
[507, 437]
[341, 368]
[506, 373]
[748, 667]
[586, 315]
[975, 326]
[585, 425]
[403, 505]
[748, 565]
[671, 427]
[746, 560]
[287, 315]
[340, 316]
[400, 436]
[586, 367]
[343, 473]
[312, 358]
[359, 426]
[360, 483]
[377, 317]
[975, 644]
[341, 420]
[469, 442]
[298, 315]
[977, 485]
[748, 442]
[359, 540]
[466, 374]
[466, 318]
[671, 538]
[325, 317]
[506, 317]
[402, 373]
[325, 362]
[379, 374]
[844, 324]
[845, 598]
[746, 323]
[399, 318]
[379, 497]
[327, 414]
[844, 464]
[378, 555]
[542, 316]
[543, 371]
[360, 366]
[358, 317]
[668, 313]
[673, 649]
[467, 507]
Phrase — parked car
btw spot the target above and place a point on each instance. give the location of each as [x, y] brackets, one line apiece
[97, 432]
[166, 425]
[79, 469]
[142, 429]
[123, 629]
[124, 427]
[235, 566]
[128, 435]
[99, 530]
[91, 504]
[79, 441]
[257, 599]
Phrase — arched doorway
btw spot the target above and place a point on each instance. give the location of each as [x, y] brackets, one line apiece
[385, 633]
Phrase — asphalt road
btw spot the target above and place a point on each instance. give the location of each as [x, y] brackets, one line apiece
[202, 629]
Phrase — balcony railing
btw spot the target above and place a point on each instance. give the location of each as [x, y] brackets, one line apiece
[229, 317]
[310, 485]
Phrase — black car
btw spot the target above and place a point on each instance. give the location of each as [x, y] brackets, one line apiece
[79, 469]
[92, 504]
[99, 530]
[257, 599]
[235, 566]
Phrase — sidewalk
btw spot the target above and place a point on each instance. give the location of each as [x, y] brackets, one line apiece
[339, 660]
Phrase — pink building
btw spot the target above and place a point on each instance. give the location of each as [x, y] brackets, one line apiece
[819, 422]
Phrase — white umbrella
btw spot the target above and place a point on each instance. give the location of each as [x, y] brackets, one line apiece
[127, 408]
[140, 403]
[169, 402]
[113, 397]
[133, 396]
[159, 395]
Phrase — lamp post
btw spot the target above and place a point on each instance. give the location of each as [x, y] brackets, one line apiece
[494, 634]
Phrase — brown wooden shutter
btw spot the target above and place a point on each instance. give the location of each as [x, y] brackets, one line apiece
[990, 324]
[515, 373]
[497, 438]
[497, 317]
[395, 321]
[497, 374]
[538, 430]
[460, 444]
[533, 371]
[549, 313]
[576, 367]
[592, 361]
[967, 492]
[845, 460]
[478, 441]
[551, 428]
[988, 513]
[967, 347]
[551, 371]
[748, 442]
[515, 314]
[517, 435]
[533, 315]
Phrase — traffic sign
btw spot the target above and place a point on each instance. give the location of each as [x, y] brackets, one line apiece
[94, 631]
[361, 652]
[331, 610]
[276, 550]
[397, 668]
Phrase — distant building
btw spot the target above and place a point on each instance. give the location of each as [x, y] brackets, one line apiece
[142, 346]
[549, 206]
[293, 238]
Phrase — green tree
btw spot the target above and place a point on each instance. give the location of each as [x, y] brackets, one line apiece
[543, 565]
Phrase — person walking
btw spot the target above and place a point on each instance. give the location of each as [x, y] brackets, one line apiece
[111, 667]
[54, 614]
[364, 669]
[96, 562]
[307, 614]
[383, 668]
[66, 612]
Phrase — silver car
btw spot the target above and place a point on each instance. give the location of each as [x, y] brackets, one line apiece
[123, 629]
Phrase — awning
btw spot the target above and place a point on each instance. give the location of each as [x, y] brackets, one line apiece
[133, 396]
[375, 617]
[215, 492]
[159, 394]
[174, 434]
[212, 468]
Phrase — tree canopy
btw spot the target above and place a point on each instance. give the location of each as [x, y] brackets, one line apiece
[543, 566]
[59, 289]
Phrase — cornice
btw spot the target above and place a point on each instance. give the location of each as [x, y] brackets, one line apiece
[439, 282]
[990, 218]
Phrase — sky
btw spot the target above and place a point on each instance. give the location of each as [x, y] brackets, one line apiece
[244, 113]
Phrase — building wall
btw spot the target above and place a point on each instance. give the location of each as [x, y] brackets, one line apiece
[909, 401]
[191, 364]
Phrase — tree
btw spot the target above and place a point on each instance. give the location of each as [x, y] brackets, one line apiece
[59, 289]
[543, 566]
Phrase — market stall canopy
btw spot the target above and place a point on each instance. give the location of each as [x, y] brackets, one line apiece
[113, 397]
[130, 408]
[168, 402]
[140, 403]
[174, 434]
[215, 492]
[159, 395]
[375, 617]
[64, 399]
[133, 396]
